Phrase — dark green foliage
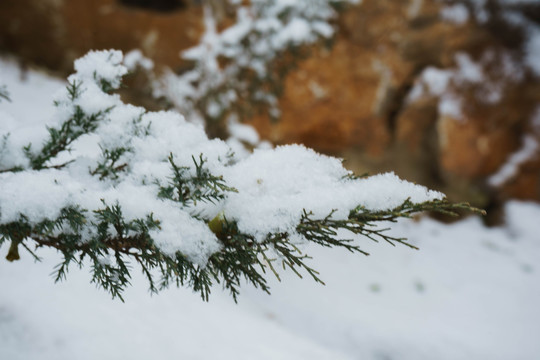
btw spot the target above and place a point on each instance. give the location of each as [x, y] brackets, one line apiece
[108, 167]
[60, 139]
[188, 188]
[112, 256]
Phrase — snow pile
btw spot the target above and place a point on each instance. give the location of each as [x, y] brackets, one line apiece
[273, 187]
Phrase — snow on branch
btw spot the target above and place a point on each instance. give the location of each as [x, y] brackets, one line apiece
[116, 185]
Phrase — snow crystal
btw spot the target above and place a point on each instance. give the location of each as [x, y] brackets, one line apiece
[213, 109]
[21, 124]
[13, 140]
[323, 28]
[94, 99]
[149, 139]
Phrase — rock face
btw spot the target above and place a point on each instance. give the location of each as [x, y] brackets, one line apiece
[440, 93]
[54, 33]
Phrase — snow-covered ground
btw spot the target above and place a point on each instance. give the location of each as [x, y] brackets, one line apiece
[469, 293]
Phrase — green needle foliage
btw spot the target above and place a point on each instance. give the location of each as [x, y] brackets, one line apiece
[241, 258]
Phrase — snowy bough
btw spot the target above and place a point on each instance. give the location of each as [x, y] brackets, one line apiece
[117, 187]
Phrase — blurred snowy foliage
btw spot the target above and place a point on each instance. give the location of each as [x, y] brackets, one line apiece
[240, 70]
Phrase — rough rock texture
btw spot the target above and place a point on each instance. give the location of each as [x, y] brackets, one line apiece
[53, 33]
[352, 99]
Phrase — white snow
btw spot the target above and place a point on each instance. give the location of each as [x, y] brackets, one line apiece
[468, 70]
[279, 183]
[456, 13]
[510, 169]
[295, 32]
[244, 132]
[451, 105]
[101, 65]
[135, 58]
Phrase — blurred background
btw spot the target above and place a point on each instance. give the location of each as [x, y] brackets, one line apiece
[446, 93]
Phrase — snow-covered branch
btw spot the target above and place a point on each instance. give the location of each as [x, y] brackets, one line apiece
[118, 185]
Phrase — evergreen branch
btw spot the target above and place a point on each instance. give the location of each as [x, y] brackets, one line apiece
[108, 167]
[242, 258]
[12, 170]
[20, 168]
[188, 189]
[60, 139]
[408, 209]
